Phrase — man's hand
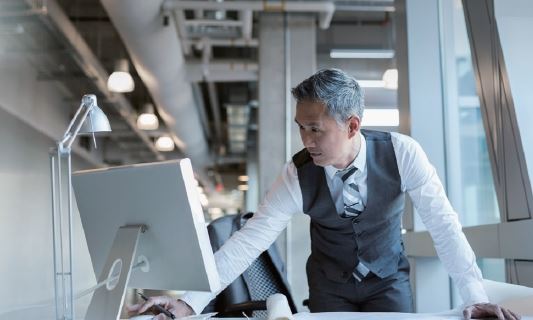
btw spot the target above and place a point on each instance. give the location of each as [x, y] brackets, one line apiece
[489, 310]
[177, 307]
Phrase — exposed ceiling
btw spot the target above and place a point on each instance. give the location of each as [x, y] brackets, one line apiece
[217, 64]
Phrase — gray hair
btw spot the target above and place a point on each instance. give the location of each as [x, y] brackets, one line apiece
[339, 91]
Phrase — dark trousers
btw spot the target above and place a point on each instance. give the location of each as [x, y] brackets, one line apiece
[372, 294]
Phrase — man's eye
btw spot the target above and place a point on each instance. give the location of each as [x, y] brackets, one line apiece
[315, 130]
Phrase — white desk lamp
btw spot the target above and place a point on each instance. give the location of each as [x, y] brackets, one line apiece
[61, 172]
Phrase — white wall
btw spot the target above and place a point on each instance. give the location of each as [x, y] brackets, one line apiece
[26, 271]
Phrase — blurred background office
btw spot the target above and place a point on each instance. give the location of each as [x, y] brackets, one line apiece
[210, 80]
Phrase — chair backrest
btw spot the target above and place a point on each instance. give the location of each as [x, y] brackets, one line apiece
[270, 273]
[515, 297]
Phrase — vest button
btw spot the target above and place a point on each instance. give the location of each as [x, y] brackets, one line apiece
[344, 274]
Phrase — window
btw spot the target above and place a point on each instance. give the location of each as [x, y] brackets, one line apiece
[469, 175]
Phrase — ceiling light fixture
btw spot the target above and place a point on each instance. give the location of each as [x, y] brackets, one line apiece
[120, 80]
[381, 118]
[200, 190]
[361, 54]
[215, 213]
[203, 200]
[390, 77]
[147, 120]
[164, 144]
[371, 83]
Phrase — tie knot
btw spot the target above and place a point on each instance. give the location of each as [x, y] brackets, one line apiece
[346, 173]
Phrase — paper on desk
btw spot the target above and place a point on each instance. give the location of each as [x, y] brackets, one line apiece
[278, 307]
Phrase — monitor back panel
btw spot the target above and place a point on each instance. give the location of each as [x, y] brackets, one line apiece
[162, 196]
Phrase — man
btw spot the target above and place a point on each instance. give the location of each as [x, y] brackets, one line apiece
[351, 182]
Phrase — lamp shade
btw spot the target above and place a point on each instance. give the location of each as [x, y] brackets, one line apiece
[120, 80]
[96, 122]
[147, 121]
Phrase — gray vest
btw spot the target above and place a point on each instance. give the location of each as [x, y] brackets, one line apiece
[374, 238]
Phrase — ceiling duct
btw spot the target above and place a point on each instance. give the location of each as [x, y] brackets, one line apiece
[156, 53]
[325, 9]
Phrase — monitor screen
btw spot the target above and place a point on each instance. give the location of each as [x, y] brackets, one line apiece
[163, 197]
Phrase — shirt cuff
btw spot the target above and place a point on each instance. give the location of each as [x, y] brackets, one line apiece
[197, 300]
[473, 293]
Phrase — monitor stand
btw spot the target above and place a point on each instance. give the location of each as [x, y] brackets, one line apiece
[107, 300]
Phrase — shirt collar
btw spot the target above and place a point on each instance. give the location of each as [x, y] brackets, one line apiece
[359, 162]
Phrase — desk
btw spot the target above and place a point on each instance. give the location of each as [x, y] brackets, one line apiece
[372, 316]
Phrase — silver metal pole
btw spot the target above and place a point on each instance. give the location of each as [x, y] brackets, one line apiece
[62, 232]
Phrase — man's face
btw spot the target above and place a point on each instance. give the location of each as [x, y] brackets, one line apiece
[327, 142]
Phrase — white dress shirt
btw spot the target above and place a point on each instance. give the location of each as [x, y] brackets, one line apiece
[284, 199]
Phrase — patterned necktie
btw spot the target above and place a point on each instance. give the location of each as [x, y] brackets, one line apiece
[353, 202]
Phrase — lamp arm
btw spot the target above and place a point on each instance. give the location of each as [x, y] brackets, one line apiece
[66, 135]
[88, 102]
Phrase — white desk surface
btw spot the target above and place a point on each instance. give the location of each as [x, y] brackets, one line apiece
[374, 316]
[371, 316]
[325, 316]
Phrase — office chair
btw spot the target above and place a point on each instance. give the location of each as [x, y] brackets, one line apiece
[249, 291]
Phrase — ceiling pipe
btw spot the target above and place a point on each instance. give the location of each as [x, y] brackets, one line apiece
[369, 8]
[323, 8]
[228, 42]
[181, 29]
[156, 53]
[218, 71]
[213, 23]
[212, 92]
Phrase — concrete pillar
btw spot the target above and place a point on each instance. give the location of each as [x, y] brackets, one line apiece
[420, 99]
[287, 55]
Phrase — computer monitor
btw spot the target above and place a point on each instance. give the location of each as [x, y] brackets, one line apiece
[146, 210]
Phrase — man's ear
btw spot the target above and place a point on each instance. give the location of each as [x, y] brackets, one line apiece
[354, 125]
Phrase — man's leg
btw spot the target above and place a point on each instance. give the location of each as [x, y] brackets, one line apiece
[329, 296]
[328, 301]
[392, 294]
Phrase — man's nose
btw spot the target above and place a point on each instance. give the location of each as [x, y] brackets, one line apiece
[308, 140]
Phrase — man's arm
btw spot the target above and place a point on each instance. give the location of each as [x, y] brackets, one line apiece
[420, 180]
